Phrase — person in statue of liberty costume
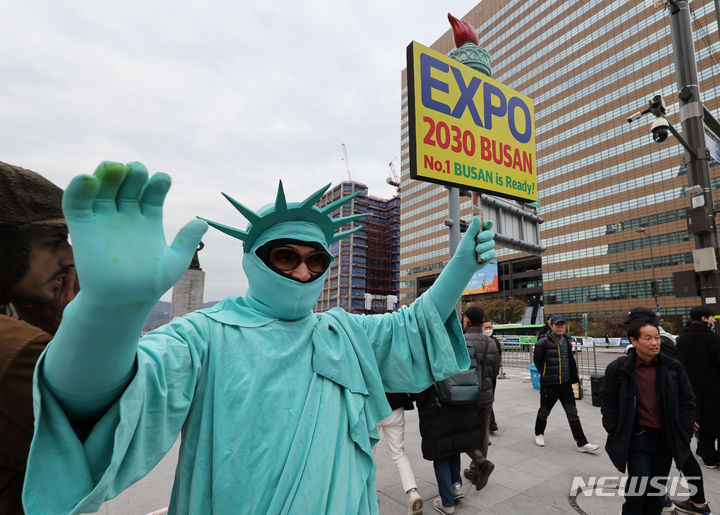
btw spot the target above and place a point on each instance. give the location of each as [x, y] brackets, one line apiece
[277, 405]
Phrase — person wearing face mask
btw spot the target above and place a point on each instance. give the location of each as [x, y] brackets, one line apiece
[699, 347]
[277, 405]
[487, 328]
[486, 352]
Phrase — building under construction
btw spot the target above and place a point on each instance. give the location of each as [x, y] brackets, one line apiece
[365, 275]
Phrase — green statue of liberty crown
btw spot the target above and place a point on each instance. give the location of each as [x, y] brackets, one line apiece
[281, 211]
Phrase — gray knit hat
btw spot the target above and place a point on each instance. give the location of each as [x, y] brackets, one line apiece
[27, 199]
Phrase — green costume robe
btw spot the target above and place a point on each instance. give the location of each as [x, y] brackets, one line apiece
[276, 416]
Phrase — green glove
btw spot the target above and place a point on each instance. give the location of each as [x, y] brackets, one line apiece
[448, 287]
[124, 266]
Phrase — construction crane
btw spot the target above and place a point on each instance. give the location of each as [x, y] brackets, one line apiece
[394, 179]
[347, 162]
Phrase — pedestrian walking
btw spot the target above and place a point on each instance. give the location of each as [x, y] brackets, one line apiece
[699, 347]
[558, 371]
[690, 469]
[488, 360]
[447, 432]
[648, 410]
[487, 329]
[392, 429]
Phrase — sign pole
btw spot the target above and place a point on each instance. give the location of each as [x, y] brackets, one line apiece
[453, 223]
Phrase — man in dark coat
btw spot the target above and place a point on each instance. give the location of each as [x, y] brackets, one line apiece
[699, 347]
[648, 410]
[488, 357]
[545, 329]
[558, 371]
[690, 469]
[37, 280]
[487, 329]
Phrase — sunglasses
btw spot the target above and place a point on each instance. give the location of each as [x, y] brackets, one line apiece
[287, 259]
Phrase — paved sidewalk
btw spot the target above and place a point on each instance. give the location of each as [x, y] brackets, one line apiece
[527, 479]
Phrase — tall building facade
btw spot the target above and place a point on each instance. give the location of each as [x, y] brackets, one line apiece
[365, 275]
[587, 66]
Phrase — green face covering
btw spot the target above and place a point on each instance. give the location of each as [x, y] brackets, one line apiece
[276, 295]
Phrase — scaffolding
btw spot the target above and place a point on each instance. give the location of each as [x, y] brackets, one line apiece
[367, 262]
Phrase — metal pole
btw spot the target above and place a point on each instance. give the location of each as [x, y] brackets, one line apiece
[654, 286]
[594, 358]
[691, 117]
[453, 223]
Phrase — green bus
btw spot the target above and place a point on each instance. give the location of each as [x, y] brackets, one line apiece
[523, 337]
[517, 336]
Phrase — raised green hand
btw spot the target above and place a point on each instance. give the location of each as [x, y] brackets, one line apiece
[124, 266]
[115, 223]
[448, 287]
[476, 244]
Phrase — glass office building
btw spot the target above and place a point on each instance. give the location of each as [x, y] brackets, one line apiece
[587, 66]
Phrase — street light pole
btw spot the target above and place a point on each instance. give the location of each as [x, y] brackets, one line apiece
[654, 286]
[691, 118]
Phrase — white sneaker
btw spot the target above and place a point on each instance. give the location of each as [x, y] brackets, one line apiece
[438, 507]
[415, 502]
[457, 491]
[592, 448]
[539, 440]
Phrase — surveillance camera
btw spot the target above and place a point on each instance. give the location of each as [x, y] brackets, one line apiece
[634, 117]
[660, 129]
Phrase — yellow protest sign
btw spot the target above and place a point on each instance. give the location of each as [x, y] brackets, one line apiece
[467, 129]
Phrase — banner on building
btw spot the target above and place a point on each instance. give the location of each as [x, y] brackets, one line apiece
[484, 280]
[468, 130]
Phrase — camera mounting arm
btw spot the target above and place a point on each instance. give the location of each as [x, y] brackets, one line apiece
[656, 106]
[682, 141]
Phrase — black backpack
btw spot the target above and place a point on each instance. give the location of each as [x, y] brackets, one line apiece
[463, 387]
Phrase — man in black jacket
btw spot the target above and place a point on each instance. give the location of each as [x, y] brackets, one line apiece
[545, 329]
[488, 360]
[648, 410]
[690, 469]
[558, 371]
[487, 329]
[699, 347]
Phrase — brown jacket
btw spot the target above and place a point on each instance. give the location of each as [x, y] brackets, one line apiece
[20, 348]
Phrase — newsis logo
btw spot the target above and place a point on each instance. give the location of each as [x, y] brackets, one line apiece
[610, 486]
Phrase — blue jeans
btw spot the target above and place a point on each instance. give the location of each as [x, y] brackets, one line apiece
[447, 473]
[648, 458]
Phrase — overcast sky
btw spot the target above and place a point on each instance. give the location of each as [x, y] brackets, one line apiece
[223, 96]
